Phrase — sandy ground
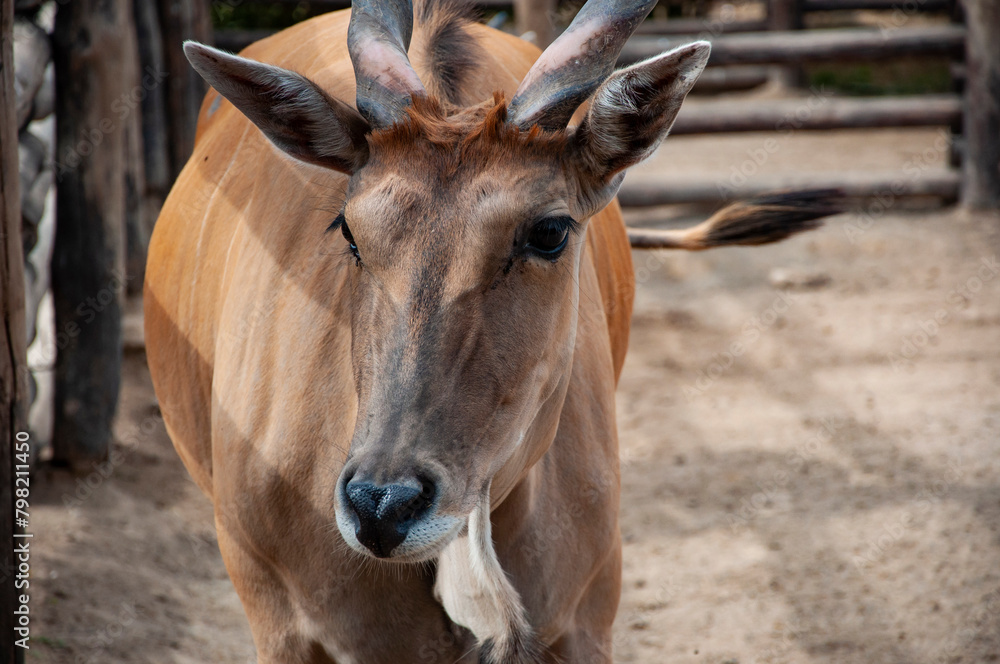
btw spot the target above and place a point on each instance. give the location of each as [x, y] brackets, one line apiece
[828, 491]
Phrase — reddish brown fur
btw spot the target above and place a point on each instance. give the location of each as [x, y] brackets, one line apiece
[452, 351]
[474, 137]
[248, 316]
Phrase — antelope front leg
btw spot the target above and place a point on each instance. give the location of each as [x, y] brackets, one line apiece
[268, 607]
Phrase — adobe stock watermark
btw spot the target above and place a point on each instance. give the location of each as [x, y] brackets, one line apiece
[983, 619]
[750, 333]
[787, 639]
[928, 329]
[102, 639]
[882, 201]
[920, 506]
[551, 539]
[87, 485]
[86, 312]
[243, 329]
[902, 12]
[743, 172]
[665, 593]
[713, 27]
[121, 108]
[749, 508]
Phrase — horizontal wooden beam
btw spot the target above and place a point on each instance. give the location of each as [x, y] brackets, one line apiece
[807, 5]
[641, 190]
[908, 6]
[842, 45]
[818, 112]
[717, 79]
[320, 6]
[694, 26]
[728, 79]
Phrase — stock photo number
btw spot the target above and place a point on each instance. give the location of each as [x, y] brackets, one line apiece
[21, 543]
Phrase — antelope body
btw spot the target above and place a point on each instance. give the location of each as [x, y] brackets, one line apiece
[386, 340]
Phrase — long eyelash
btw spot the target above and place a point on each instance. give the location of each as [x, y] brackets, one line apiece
[337, 223]
[563, 223]
[566, 223]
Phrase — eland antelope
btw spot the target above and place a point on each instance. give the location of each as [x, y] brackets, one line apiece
[386, 306]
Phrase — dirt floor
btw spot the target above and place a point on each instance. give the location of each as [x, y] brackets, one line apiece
[809, 439]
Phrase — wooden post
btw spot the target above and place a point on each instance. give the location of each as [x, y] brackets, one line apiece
[536, 16]
[137, 226]
[13, 364]
[981, 125]
[956, 70]
[155, 127]
[784, 15]
[181, 20]
[92, 39]
[788, 114]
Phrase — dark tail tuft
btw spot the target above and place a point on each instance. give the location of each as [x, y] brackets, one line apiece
[771, 218]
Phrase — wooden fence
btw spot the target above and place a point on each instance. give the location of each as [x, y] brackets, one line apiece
[746, 52]
[972, 120]
[143, 153]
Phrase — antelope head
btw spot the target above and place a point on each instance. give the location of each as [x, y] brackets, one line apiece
[466, 228]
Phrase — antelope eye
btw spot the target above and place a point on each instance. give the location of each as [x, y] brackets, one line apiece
[347, 236]
[549, 237]
[346, 231]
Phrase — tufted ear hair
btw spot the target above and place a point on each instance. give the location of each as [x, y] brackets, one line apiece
[630, 114]
[292, 111]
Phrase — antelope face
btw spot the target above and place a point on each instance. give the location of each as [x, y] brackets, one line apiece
[464, 291]
[465, 227]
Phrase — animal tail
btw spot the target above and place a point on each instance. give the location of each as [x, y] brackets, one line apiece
[756, 221]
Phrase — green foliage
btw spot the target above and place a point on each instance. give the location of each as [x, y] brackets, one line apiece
[247, 15]
[910, 76]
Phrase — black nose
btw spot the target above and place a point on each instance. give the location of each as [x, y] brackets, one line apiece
[385, 513]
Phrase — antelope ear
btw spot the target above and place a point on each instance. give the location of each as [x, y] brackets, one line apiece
[288, 108]
[630, 114]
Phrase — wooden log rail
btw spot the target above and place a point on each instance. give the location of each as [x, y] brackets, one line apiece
[730, 79]
[640, 190]
[322, 6]
[714, 80]
[819, 113]
[742, 49]
[854, 44]
[754, 48]
[682, 26]
[236, 40]
[319, 6]
[877, 5]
